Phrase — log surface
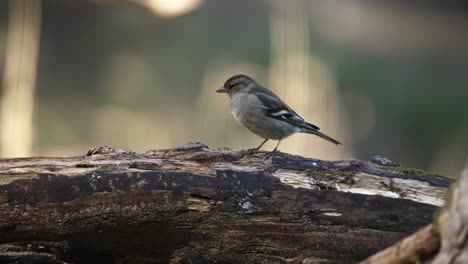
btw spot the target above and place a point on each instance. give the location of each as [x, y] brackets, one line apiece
[196, 204]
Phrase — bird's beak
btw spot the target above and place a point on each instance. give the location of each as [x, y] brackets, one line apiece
[222, 90]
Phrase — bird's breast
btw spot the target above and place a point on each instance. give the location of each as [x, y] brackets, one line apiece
[237, 105]
[242, 118]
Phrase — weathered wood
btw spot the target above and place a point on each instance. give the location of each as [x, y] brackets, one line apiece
[452, 224]
[204, 205]
[421, 245]
[442, 242]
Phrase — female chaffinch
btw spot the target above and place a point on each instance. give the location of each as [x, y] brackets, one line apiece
[264, 113]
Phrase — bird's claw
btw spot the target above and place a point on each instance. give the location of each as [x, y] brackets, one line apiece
[270, 155]
[252, 151]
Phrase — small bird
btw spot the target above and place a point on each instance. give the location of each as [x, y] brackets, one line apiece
[264, 113]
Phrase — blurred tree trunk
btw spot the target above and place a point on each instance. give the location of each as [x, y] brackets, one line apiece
[195, 204]
[19, 78]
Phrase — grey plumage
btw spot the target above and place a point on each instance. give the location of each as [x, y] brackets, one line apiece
[264, 113]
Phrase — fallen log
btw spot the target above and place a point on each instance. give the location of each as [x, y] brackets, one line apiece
[196, 204]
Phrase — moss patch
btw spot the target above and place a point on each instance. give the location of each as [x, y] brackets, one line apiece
[414, 171]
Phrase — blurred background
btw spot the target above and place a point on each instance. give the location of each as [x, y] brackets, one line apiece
[383, 77]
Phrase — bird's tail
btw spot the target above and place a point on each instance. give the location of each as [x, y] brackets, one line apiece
[322, 135]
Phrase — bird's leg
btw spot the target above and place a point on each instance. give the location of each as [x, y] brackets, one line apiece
[258, 148]
[269, 155]
[255, 150]
[277, 145]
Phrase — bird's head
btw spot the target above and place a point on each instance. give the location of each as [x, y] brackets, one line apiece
[235, 84]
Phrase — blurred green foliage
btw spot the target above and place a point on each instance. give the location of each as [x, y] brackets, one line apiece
[419, 97]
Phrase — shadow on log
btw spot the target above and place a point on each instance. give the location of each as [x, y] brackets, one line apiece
[196, 204]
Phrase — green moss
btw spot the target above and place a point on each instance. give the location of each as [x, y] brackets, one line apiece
[414, 171]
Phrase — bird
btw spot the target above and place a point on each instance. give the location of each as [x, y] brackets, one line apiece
[263, 113]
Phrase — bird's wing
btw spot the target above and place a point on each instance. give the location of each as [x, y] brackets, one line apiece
[276, 108]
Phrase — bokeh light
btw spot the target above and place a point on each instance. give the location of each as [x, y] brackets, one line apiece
[171, 8]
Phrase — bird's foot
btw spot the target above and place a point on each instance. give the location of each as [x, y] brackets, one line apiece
[252, 151]
[270, 155]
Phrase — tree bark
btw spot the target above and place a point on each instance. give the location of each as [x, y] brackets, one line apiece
[196, 204]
